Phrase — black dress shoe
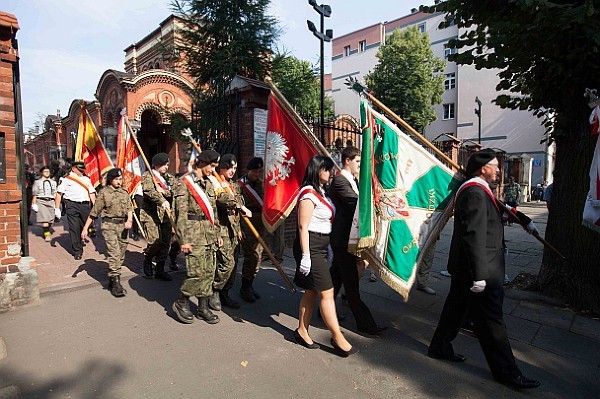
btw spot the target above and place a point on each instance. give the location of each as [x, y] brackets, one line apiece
[520, 382]
[302, 342]
[77, 257]
[453, 357]
[373, 331]
[340, 352]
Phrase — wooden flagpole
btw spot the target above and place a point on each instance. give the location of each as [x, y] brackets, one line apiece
[253, 229]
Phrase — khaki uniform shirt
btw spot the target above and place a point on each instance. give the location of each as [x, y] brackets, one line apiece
[153, 200]
[229, 217]
[113, 203]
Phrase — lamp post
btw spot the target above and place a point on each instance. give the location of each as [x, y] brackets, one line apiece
[324, 10]
[478, 113]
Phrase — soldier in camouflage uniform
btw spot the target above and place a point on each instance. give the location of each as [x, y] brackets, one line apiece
[196, 197]
[253, 193]
[157, 187]
[231, 233]
[114, 206]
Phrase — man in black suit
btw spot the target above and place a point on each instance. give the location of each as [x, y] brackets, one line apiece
[476, 263]
[344, 194]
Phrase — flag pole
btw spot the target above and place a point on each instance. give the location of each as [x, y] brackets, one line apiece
[167, 211]
[452, 163]
[253, 229]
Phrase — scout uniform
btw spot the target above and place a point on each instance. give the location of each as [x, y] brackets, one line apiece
[196, 205]
[157, 189]
[253, 194]
[79, 195]
[43, 195]
[113, 205]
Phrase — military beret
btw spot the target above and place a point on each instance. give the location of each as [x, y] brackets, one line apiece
[160, 159]
[479, 159]
[227, 161]
[208, 156]
[113, 174]
[255, 163]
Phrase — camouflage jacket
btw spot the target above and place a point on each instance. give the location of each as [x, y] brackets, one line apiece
[112, 202]
[229, 217]
[152, 203]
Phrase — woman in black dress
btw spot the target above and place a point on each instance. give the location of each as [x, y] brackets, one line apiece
[315, 214]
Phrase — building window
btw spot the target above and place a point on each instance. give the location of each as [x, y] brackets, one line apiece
[346, 51]
[421, 27]
[448, 50]
[448, 111]
[362, 46]
[450, 82]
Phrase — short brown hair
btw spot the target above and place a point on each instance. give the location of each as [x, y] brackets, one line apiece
[349, 152]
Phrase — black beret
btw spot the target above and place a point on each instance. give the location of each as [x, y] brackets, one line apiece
[160, 159]
[113, 174]
[255, 163]
[479, 159]
[227, 161]
[208, 156]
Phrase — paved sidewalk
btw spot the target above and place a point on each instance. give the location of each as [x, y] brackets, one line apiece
[551, 343]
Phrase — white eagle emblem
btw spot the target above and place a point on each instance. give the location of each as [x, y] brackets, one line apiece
[277, 164]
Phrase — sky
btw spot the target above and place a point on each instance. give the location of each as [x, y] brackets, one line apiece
[66, 45]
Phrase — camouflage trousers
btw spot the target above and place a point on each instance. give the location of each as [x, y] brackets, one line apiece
[201, 265]
[252, 251]
[115, 237]
[158, 236]
[227, 256]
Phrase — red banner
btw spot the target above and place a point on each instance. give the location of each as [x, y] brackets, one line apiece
[90, 150]
[129, 158]
[288, 150]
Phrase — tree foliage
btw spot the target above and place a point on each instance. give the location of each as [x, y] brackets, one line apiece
[297, 81]
[407, 78]
[224, 38]
[548, 53]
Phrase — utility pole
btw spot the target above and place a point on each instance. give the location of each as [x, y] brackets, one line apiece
[324, 10]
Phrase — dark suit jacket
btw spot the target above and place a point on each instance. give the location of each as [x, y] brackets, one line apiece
[344, 199]
[477, 247]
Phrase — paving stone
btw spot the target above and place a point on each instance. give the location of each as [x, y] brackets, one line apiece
[567, 344]
[521, 329]
[586, 327]
[510, 305]
[10, 392]
[544, 314]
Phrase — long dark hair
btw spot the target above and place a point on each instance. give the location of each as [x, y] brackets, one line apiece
[314, 167]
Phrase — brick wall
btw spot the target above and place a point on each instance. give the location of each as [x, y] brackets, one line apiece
[10, 194]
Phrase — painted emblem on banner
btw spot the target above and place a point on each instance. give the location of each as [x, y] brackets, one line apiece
[393, 205]
[277, 158]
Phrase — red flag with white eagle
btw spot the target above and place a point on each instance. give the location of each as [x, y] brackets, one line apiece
[288, 150]
[129, 157]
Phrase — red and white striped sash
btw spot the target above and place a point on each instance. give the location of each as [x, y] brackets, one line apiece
[250, 191]
[162, 183]
[200, 197]
[309, 190]
[471, 183]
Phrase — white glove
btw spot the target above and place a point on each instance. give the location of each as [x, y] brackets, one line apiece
[166, 205]
[34, 207]
[531, 228]
[305, 264]
[478, 286]
[57, 213]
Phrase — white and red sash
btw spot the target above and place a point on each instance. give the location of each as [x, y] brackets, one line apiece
[250, 191]
[309, 190]
[162, 183]
[81, 183]
[476, 181]
[200, 197]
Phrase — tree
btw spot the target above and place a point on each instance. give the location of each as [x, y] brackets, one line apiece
[297, 81]
[224, 38]
[548, 52]
[408, 77]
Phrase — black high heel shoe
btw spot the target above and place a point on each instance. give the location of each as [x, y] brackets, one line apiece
[302, 342]
[340, 352]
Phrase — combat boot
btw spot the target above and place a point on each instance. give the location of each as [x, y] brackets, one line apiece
[254, 293]
[246, 291]
[173, 265]
[148, 267]
[215, 302]
[228, 301]
[116, 288]
[204, 312]
[181, 307]
[160, 273]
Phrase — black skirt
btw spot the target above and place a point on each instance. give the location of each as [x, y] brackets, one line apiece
[319, 278]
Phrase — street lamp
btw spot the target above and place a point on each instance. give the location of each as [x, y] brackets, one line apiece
[324, 10]
[478, 113]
